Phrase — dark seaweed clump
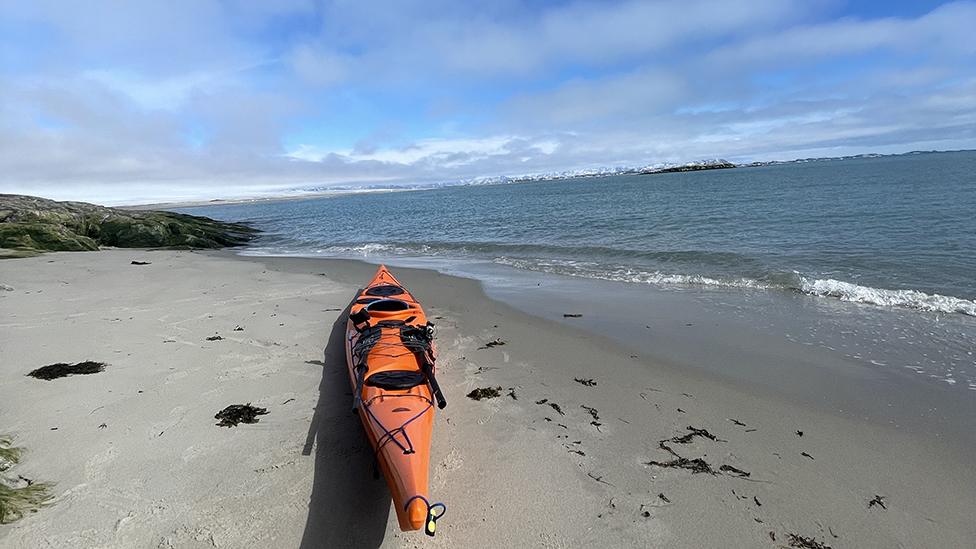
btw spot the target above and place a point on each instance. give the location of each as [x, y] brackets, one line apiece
[879, 501]
[482, 393]
[697, 465]
[63, 369]
[804, 542]
[235, 414]
[493, 343]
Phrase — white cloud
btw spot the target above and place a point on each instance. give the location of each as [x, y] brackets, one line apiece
[195, 98]
[946, 30]
[601, 101]
[452, 152]
[320, 67]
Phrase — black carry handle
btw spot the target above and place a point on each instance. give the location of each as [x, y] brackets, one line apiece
[357, 398]
[362, 317]
[428, 369]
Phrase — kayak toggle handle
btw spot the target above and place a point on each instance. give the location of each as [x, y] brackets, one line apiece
[434, 512]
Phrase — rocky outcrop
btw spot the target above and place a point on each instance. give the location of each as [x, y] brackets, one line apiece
[30, 224]
[691, 167]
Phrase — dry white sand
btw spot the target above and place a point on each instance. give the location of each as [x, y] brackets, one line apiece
[139, 462]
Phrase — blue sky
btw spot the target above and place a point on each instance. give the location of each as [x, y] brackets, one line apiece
[192, 99]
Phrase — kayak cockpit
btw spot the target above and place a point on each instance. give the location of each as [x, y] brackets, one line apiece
[396, 380]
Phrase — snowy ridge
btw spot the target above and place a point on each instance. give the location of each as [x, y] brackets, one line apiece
[662, 167]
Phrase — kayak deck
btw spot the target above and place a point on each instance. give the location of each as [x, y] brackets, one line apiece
[390, 356]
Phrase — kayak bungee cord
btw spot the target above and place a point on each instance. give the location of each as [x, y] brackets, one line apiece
[389, 435]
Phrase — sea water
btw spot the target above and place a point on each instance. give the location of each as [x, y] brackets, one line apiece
[871, 258]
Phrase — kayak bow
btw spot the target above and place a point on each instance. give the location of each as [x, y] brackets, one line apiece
[390, 354]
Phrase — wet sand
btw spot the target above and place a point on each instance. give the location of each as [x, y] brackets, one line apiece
[564, 462]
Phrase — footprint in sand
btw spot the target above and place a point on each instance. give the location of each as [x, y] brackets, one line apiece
[176, 416]
[550, 540]
[453, 461]
[97, 463]
[175, 376]
[189, 454]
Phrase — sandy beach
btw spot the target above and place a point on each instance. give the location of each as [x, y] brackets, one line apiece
[589, 444]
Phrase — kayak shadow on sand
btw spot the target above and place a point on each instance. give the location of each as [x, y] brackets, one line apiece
[348, 506]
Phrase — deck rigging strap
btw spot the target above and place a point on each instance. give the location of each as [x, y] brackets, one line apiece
[419, 338]
[369, 336]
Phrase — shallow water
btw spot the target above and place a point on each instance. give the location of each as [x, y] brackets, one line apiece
[895, 231]
[872, 259]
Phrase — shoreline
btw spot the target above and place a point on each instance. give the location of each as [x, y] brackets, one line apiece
[510, 476]
[780, 345]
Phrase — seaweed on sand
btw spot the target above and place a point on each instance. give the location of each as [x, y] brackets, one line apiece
[16, 501]
[697, 465]
[588, 382]
[493, 343]
[730, 470]
[235, 414]
[692, 433]
[63, 369]
[592, 411]
[482, 393]
[552, 405]
[804, 542]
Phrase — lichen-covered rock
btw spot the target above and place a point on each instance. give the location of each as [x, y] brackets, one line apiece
[31, 224]
[43, 236]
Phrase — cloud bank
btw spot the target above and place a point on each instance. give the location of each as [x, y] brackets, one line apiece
[152, 101]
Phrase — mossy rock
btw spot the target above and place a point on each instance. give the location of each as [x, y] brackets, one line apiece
[42, 236]
[126, 232]
[31, 224]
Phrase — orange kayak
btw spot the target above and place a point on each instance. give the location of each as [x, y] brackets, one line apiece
[390, 353]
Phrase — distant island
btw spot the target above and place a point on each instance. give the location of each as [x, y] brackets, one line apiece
[30, 225]
[661, 168]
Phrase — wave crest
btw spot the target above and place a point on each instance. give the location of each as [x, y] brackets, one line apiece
[816, 287]
[911, 299]
[828, 288]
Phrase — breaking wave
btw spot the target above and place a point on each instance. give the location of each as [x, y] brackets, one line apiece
[911, 299]
[827, 288]
[607, 269]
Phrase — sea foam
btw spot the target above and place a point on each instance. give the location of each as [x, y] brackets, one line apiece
[826, 288]
[912, 299]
